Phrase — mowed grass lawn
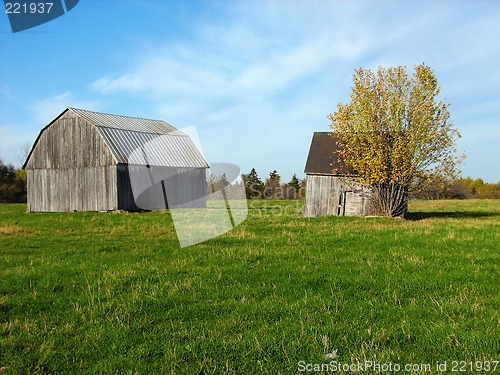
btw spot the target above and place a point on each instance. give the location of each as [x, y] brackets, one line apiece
[112, 293]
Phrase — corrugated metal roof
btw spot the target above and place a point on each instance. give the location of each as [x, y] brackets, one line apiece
[125, 122]
[140, 141]
[172, 150]
[322, 158]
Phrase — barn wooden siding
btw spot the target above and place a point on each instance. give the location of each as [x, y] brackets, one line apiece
[71, 169]
[329, 195]
[59, 190]
[330, 186]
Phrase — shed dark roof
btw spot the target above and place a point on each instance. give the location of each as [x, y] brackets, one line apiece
[322, 158]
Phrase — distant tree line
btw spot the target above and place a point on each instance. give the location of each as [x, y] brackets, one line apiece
[272, 187]
[12, 184]
[462, 188]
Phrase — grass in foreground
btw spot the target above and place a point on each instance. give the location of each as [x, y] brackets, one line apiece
[112, 293]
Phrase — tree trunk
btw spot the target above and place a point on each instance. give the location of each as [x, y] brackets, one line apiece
[391, 200]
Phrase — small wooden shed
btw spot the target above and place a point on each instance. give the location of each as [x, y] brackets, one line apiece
[331, 189]
[91, 161]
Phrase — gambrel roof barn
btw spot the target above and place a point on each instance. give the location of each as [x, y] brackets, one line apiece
[91, 161]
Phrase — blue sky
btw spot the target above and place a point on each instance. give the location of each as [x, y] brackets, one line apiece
[256, 78]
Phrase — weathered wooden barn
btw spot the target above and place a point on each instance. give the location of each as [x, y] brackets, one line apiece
[90, 161]
[330, 187]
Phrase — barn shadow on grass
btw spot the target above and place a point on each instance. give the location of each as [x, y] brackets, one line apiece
[416, 216]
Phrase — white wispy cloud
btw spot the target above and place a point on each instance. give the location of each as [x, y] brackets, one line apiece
[45, 110]
[253, 52]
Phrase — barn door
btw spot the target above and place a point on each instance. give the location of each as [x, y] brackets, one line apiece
[342, 200]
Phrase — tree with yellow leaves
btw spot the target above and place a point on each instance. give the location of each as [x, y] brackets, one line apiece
[395, 131]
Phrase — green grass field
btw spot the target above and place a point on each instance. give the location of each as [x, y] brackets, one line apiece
[112, 293]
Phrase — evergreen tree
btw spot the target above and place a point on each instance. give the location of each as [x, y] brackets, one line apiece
[223, 182]
[272, 186]
[295, 183]
[253, 185]
[274, 179]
